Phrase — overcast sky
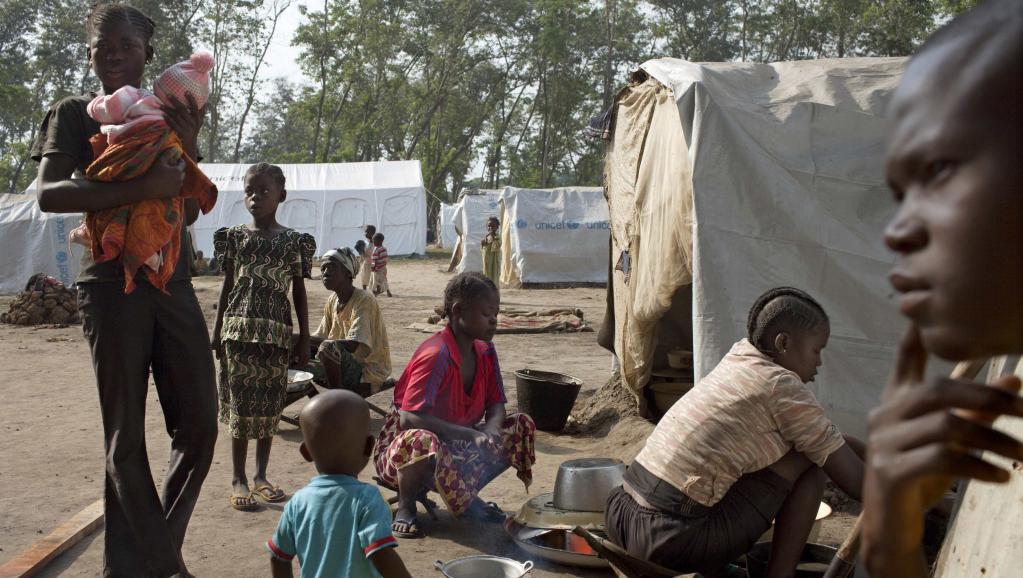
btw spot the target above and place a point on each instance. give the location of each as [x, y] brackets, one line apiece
[282, 58]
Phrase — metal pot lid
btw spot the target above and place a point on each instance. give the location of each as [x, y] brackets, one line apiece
[539, 512]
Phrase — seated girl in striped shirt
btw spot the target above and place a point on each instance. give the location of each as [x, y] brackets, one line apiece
[748, 445]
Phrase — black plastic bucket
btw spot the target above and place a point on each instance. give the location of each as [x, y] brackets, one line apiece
[546, 397]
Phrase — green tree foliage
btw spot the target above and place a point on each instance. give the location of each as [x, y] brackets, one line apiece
[484, 93]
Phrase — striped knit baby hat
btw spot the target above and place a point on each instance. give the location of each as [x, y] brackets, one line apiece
[189, 77]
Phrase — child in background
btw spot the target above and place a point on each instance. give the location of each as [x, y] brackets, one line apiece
[133, 136]
[378, 264]
[252, 335]
[746, 445]
[953, 164]
[337, 526]
[491, 246]
[360, 251]
[367, 255]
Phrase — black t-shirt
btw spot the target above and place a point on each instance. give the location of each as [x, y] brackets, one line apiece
[66, 130]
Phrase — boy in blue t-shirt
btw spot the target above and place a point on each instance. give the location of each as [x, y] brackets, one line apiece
[337, 525]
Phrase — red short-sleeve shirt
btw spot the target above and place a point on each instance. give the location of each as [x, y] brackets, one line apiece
[432, 381]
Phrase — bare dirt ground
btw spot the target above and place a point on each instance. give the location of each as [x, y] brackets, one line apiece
[51, 455]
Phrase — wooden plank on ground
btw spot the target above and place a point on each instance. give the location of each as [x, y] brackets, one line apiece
[33, 559]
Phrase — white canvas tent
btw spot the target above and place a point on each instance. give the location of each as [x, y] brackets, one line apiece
[447, 233]
[472, 211]
[554, 235]
[725, 180]
[34, 242]
[333, 202]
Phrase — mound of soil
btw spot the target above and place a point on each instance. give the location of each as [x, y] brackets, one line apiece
[598, 413]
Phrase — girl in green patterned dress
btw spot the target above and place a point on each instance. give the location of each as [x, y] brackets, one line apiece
[252, 336]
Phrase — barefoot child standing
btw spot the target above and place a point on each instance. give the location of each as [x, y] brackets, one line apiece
[252, 335]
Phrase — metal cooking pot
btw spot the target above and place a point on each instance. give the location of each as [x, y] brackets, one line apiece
[584, 485]
[483, 567]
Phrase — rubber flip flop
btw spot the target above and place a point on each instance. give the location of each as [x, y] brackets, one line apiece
[413, 530]
[270, 494]
[244, 503]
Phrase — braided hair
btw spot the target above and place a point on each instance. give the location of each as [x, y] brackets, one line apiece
[467, 287]
[782, 309]
[268, 170]
[104, 13]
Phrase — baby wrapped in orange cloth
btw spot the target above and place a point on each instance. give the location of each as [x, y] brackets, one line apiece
[133, 136]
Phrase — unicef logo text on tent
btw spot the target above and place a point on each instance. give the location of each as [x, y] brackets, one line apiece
[560, 225]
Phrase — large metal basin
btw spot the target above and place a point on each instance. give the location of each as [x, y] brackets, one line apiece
[584, 485]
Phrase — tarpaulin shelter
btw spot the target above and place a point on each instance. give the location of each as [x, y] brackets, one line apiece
[725, 180]
[554, 236]
[332, 201]
[35, 242]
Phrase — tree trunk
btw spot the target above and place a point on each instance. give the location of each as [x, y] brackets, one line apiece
[323, 84]
[250, 95]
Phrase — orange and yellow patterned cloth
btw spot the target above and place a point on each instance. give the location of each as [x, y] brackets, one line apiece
[136, 233]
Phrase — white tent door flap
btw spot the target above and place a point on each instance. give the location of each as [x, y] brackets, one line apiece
[346, 221]
[302, 214]
[399, 220]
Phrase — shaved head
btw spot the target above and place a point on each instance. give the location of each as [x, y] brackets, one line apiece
[335, 429]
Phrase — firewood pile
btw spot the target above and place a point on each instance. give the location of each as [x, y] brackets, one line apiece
[44, 301]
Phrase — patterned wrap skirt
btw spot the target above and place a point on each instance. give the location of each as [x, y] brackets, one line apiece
[349, 368]
[461, 468]
[253, 383]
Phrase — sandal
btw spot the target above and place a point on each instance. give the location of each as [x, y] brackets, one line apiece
[411, 529]
[270, 494]
[485, 511]
[244, 503]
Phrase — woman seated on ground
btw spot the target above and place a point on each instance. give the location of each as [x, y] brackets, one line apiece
[747, 445]
[350, 343]
[448, 430]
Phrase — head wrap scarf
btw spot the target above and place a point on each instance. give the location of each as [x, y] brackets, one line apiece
[346, 257]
